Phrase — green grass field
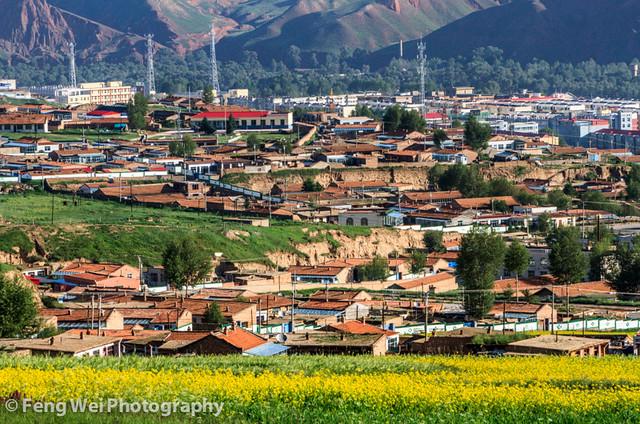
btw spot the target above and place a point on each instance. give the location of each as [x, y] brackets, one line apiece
[112, 231]
[74, 135]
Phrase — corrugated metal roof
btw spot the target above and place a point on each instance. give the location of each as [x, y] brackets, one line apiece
[267, 349]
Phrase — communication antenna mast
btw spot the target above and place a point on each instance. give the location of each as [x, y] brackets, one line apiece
[422, 64]
[73, 79]
[215, 79]
[151, 73]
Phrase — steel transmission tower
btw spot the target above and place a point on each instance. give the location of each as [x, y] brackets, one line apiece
[151, 73]
[215, 79]
[73, 79]
[422, 64]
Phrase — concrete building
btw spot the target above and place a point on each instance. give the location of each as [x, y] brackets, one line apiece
[103, 93]
[73, 96]
[624, 120]
[24, 122]
[246, 119]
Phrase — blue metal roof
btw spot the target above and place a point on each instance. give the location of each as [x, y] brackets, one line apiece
[267, 349]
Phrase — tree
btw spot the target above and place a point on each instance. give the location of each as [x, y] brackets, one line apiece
[625, 278]
[633, 190]
[500, 206]
[412, 121]
[439, 136]
[253, 141]
[543, 223]
[232, 125]
[433, 241]
[392, 118]
[418, 261]
[501, 187]
[476, 134]
[566, 261]
[183, 148]
[18, 309]
[569, 189]
[435, 173]
[309, 185]
[207, 94]
[516, 260]
[185, 262]
[377, 269]
[137, 109]
[206, 127]
[214, 316]
[481, 258]
[363, 110]
[456, 124]
[558, 199]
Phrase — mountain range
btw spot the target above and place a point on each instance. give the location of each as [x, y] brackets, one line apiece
[104, 30]
[554, 30]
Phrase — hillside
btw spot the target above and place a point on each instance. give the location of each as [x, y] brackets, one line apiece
[330, 25]
[35, 28]
[553, 30]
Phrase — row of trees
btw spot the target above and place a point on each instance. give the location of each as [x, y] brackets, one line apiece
[484, 254]
[487, 69]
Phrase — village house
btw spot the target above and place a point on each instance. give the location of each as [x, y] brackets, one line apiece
[99, 275]
[543, 314]
[559, 345]
[24, 122]
[67, 344]
[340, 310]
[320, 274]
[438, 283]
[360, 327]
[78, 156]
[332, 343]
[86, 318]
[226, 342]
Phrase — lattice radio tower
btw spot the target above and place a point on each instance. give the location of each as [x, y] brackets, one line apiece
[215, 79]
[73, 78]
[422, 67]
[151, 72]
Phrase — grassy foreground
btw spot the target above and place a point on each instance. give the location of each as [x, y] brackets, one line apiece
[340, 389]
[109, 231]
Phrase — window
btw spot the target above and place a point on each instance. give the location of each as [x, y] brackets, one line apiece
[349, 221]
[364, 222]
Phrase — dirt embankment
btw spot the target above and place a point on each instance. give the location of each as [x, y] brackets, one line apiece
[418, 177]
[557, 176]
[381, 242]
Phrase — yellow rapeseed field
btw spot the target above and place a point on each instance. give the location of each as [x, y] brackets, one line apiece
[555, 385]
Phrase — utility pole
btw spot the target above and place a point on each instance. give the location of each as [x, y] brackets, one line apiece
[53, 195]
[151, 73]
[422, 63]
[293, 306]
[426, 317]
[215, 78]
[73, 79]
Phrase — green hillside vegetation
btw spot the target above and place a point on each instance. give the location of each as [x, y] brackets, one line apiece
[113, 232]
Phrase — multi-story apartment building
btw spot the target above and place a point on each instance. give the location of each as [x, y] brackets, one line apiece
[103, 93]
